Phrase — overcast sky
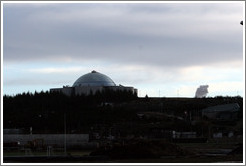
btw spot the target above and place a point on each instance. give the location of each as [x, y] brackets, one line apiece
[162, 49]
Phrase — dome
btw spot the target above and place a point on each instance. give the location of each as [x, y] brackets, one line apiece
[94, 79]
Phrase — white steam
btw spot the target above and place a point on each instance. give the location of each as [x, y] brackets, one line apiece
[202, 91]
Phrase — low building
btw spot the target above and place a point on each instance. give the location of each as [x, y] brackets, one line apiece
[57, 140]
[13, 131]
[226, 112]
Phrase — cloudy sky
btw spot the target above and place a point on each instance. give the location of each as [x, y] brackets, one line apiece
[162, 49]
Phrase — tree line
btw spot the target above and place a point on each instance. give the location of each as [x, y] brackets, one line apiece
[46, 110]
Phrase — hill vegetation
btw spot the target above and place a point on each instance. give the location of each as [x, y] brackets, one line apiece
[107, 111]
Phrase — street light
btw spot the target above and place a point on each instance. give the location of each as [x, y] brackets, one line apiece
[65, 135]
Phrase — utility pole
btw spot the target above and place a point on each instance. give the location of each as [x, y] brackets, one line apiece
[65, 135]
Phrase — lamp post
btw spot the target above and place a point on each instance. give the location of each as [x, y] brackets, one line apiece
[65, 135]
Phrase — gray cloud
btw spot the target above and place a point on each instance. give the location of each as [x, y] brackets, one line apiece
[174, 35]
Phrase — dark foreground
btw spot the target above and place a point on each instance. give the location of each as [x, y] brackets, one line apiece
[104, 159]
[141, 151]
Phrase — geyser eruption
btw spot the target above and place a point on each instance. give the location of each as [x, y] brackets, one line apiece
[201, 91]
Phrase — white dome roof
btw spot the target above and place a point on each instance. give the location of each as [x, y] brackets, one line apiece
[94, 79]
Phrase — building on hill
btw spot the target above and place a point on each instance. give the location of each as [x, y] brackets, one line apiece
[225, 112]
[91, 83]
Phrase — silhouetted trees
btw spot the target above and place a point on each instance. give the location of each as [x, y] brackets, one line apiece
[45, 111]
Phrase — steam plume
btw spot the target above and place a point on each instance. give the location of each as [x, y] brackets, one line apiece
[202, 91]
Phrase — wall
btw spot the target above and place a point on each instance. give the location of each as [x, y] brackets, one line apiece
[78, 90]
[87, 89]
[49, 139]
[67, 90]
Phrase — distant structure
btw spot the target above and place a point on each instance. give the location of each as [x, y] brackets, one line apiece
[201, 91]
[90, 83]
[225, 112]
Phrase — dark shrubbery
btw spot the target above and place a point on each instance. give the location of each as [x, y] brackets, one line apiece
[45, 111]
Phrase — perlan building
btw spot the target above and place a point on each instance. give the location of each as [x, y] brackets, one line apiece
[91, 83]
